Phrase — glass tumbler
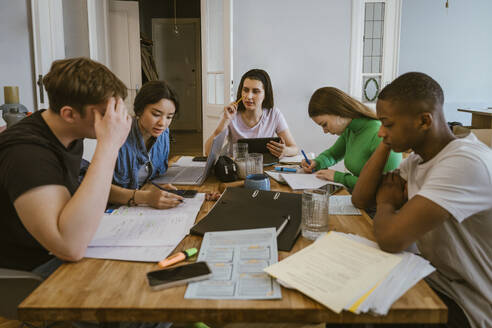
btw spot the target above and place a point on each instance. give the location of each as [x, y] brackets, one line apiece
[254, 163]
[315, 218]
[241, 167]
[239, 150]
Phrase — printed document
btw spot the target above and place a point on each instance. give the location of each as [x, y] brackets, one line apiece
[342, 205]
[306, 181]
[237, 259]
[404, 276]
[335, 270]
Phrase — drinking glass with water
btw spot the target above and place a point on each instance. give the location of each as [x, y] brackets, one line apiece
[314, 213]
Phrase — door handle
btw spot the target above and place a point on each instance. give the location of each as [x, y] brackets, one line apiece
[41, 89]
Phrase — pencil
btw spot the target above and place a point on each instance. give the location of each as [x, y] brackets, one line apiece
[238, 101]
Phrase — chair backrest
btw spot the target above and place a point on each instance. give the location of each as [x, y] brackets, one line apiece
[15, 286]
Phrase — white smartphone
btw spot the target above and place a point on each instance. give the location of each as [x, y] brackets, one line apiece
[180, 275]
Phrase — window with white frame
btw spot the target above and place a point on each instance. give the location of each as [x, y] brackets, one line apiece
[372, 53]
[374, 47]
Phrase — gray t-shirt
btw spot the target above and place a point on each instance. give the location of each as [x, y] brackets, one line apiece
[459, 179]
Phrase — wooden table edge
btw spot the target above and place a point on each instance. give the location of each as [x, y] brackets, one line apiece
[423, 316]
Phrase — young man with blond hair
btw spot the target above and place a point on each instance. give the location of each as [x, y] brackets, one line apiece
[45, 212]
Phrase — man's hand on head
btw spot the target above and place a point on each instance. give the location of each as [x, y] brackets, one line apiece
[114, 126]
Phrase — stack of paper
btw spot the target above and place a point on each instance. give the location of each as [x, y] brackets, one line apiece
[348, 272]
[143, 233]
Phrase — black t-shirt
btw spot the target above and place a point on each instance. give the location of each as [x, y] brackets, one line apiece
[30, 156]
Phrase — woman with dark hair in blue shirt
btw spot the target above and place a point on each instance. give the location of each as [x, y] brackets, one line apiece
[145, 153]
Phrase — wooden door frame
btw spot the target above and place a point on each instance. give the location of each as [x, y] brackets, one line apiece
[198, 80]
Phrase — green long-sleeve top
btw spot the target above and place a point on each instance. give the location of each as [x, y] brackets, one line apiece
[355, 146]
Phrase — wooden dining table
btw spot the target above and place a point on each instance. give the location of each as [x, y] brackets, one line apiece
[113, 291]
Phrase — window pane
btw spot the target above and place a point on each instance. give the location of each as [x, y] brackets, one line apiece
[211, 88]
[367, 47]
[367, 65]
[378, 29]
[219, 89]
[368, 27]
[376, 47]
[369, 11]
[371, 86]
[376, 64]
[215, 35]
[378, 7]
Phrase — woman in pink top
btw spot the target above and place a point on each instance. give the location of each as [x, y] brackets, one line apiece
[255, 116]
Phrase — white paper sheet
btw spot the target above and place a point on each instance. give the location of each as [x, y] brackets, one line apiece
[297, 158]
[334, 270]
[140, 254]
[306, 181]
[145, 226]
[237, 259]
[404, 276]
[342, 205]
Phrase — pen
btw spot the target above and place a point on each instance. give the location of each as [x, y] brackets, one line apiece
[285, 169]
[178, 257]
[305, 157]
[164, 189]
[282, 226]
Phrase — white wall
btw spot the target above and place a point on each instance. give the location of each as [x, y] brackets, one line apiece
[454, 46]
[303, 45]
[15, 50]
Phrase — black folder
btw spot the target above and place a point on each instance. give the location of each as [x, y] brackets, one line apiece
[243, 208]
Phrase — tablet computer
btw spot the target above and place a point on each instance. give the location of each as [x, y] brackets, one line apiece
[259, 145]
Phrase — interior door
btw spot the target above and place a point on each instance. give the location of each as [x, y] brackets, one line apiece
[177, 59]
[217, 88]
[124, 38]
[48, 41]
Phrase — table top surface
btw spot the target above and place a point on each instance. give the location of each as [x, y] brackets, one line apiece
[109, 290]
[478, 111]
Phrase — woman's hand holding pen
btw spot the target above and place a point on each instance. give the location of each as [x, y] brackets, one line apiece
[309, 168]
[161, 199]
[230, 111]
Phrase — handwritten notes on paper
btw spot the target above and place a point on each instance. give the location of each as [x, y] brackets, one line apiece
[143, 233]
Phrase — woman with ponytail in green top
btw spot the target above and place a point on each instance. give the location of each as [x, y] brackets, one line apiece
[357, 126]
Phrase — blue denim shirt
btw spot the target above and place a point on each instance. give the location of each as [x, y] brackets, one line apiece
[133, 155]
